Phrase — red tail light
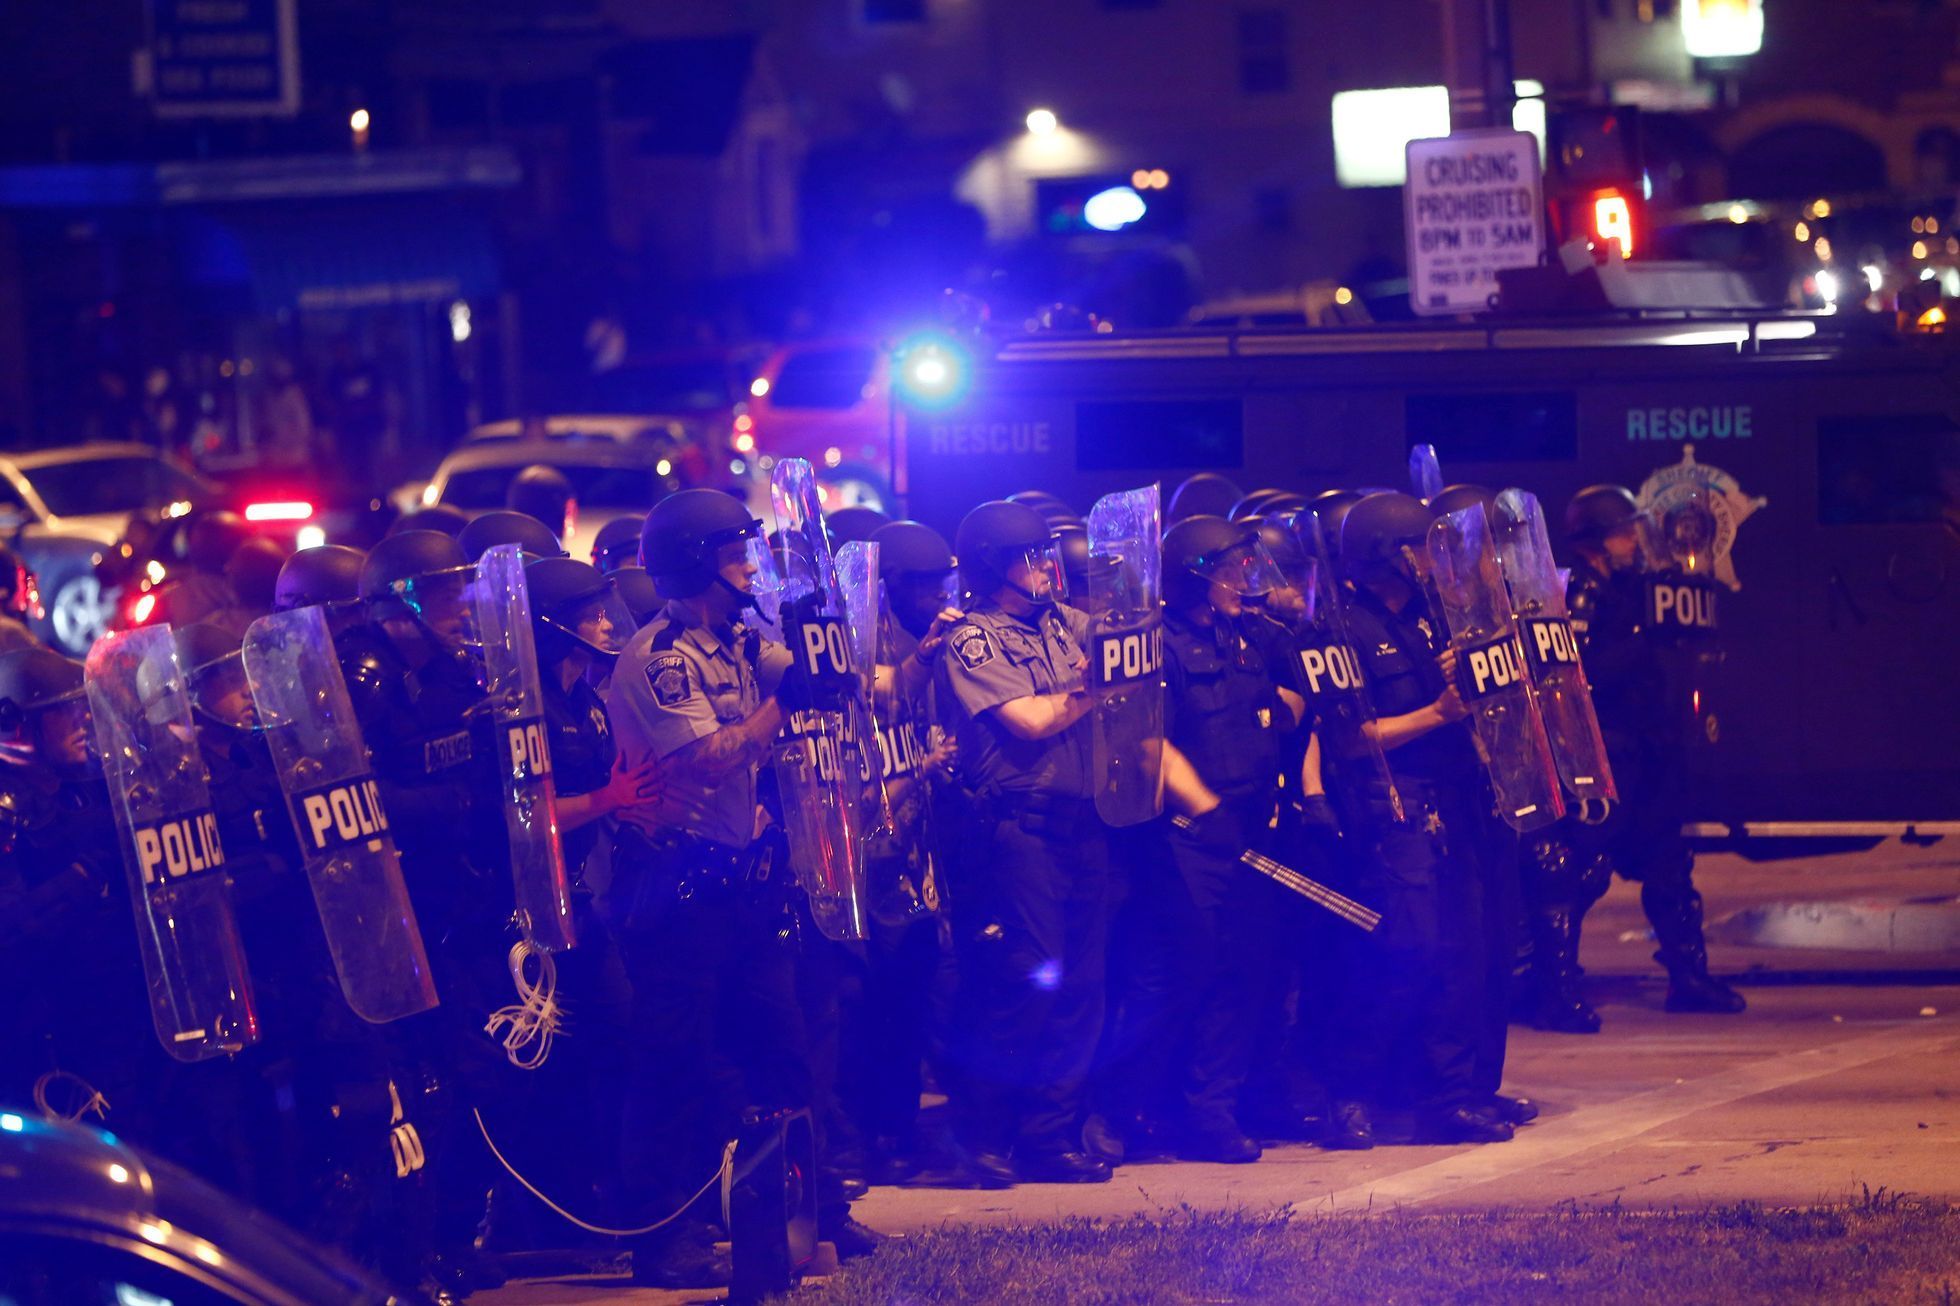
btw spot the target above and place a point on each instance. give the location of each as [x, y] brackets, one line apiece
[145, 608]
[279, 510]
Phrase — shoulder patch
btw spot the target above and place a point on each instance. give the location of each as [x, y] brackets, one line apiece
[667, 677]
[973, 647]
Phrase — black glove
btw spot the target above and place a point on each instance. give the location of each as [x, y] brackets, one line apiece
[1315, 813]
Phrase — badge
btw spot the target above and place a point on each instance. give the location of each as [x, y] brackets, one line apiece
[667, 676]
[974, 648]
[1698, 507]
[1265, 715]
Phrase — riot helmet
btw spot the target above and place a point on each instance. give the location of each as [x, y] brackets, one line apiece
[1212, 562]
[422, 575]
[1455, 498]
[1331, 507]
[617, 543]
[544, 493]
[1598, 511]
[214, 672]
[1253, 504]
[328, 576]
[853, 524]
[44, 712]
[1053, 509]
[1206, 494]
[436, 517]
[682, 543]
[1291, 596]
[1008, 545]
[918, 570]
[638, 592]
[1379, 530]
[574, 606]
[504, 526]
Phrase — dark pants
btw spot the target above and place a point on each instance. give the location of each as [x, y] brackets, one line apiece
[1198, 939]
[717, 1027]
[1413, 1021]
[889, 1034]
[1031, 917]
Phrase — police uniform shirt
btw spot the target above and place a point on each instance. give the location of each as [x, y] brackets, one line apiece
[1222, 708]
[1398, 652]
[679, 681]
[991, 658]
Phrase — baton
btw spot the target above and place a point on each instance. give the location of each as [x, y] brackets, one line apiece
[1354, 913]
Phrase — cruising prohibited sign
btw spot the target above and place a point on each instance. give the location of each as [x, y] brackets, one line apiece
[1474, 204]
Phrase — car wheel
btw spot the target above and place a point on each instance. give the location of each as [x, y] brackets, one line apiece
[78, 613]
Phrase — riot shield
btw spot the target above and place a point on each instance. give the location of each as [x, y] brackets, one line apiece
[502, 607]
[1551, 649]
[1469, 584]
[1681, 601]
[1328, 669]
[821, 757]
[1425, 473]
[1126, 654]
[857, 580]
[902, 864]
[193, 957]
[335, 806]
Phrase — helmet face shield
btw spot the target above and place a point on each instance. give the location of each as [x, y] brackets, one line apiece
[64, 733]
[601, 623]
[221, 692]
[1245, 569]
[1036, 571]
[443, 602]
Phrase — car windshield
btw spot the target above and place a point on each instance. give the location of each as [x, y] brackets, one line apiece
[693, 386]
[823, 378]
[596, 486]
[93, 486]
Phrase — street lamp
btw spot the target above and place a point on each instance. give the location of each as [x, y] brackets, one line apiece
[1042, 122]
[358, 122]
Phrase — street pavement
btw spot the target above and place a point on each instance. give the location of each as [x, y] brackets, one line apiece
[1843, 1076]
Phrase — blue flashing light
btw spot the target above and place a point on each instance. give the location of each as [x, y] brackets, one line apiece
[1113, 209]
[931, 371]
[12, 1123]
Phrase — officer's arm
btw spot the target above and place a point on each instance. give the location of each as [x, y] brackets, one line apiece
[1295, 704]
[1184, 788]
[735, 746]
[1039, 716]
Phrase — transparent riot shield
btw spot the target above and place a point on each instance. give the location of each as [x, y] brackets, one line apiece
[1327, 668]
[822, 757]
[335, 806]
[902, 863]
[502, 607]
[1469, 584]
[1126, 654]
[193, 957]
[1681, 601]
[1425, 473]
[857, 579]
[1551, 649]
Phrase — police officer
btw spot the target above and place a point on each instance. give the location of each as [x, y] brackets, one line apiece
[79, 1037]
[854, 523]
[1209, 927]
[1419, 1001]
[443, 517]
[1031, 893]
[1627, 665]
[703, 908]
[411, 676]
[617, 543]
[198, 589]
[638, 592]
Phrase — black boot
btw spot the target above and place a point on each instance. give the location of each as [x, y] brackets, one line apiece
[1556, 974]
[1676, 918]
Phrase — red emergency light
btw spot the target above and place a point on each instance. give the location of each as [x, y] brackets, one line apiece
[290, 510]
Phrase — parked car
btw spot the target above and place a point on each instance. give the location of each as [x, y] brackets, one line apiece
[609, 479]
[85, 1218]
[829, 401]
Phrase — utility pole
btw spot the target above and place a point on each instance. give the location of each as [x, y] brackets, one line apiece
[1477, 62]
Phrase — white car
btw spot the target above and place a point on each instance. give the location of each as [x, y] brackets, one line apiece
[608, 479]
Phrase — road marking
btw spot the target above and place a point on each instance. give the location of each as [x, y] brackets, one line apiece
[1615, 1122]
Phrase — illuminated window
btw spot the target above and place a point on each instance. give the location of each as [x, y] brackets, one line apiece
[1262, 52]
